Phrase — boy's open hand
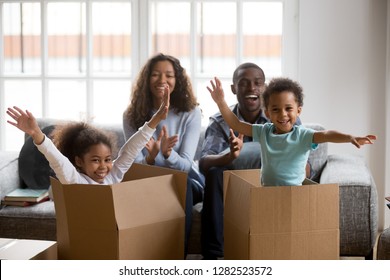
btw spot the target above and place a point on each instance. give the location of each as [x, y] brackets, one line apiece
[360, 141]
[216, 91]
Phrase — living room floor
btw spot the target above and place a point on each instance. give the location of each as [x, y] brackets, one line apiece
[200, 257]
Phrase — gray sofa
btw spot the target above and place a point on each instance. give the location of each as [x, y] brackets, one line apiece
[383, 250]
[358, 200]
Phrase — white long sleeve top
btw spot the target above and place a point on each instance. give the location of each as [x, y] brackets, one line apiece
[67, 173]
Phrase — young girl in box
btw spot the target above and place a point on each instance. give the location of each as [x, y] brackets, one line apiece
[81, 153]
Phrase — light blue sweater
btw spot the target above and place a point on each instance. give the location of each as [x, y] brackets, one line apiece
[187, 126]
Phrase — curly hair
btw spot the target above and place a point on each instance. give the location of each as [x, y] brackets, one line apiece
[74, 139]
[182, 98]
[278, 85]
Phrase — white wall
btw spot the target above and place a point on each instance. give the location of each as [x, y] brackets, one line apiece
[342, 68]
[387, 120]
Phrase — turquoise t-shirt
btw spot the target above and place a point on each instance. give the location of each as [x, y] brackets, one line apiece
[283, 156]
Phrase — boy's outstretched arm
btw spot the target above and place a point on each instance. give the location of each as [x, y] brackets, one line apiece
[26, 122]
[162, 112]
[338, 137]
[218, 96]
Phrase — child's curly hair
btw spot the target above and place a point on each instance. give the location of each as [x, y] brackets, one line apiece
[182, 98]
[74, 139]
[278, 85]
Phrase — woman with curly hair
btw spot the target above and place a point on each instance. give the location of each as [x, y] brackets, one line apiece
[81, 153]
[174, 143]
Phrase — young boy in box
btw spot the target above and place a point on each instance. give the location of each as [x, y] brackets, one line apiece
[285, 147]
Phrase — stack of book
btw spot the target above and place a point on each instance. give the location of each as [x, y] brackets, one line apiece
[25, 197]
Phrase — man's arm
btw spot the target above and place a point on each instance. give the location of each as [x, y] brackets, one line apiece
[214, 160]
[223, 158]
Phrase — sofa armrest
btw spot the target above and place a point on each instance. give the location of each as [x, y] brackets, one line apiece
[9, 172]
[345, 170]
[358, 202]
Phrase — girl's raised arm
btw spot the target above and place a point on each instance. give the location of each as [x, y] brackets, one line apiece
[162, 112]
[26, 122]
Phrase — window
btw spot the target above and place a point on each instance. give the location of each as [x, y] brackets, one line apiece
[213, 37]
[76, 59]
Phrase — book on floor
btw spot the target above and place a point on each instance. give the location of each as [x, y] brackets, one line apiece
[23, 203]
[27, 195]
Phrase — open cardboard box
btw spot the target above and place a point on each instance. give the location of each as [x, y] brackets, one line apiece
[26, 249]
[279, 223]
[142, 217]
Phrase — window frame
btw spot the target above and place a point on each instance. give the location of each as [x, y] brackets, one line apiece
[141, 37]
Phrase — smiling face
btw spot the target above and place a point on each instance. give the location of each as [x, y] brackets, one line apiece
[248, 88]
[283, 111]
[162, 74]
[96, 163]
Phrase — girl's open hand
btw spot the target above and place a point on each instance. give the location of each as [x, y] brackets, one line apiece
[162, 111]
[26, 122]
[164, 107]
[216, 91]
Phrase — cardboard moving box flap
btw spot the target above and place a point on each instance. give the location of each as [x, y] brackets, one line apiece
[63, 238]
[156, 196]
[310, 206]
[237, 204]
[252, 176]
[158, 241]
[139, 171]
[85, 215]
[135, 219]
[26, 249]
[279, 222]
[294, 208]
[93, 203]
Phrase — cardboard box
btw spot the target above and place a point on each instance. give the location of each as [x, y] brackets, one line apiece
[279, 223]
[24, 249]
[141, 218]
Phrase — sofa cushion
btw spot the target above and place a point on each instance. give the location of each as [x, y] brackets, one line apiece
[34, 169]
[317, 157]
[383, 252]
[33, 222]
[9, 177]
